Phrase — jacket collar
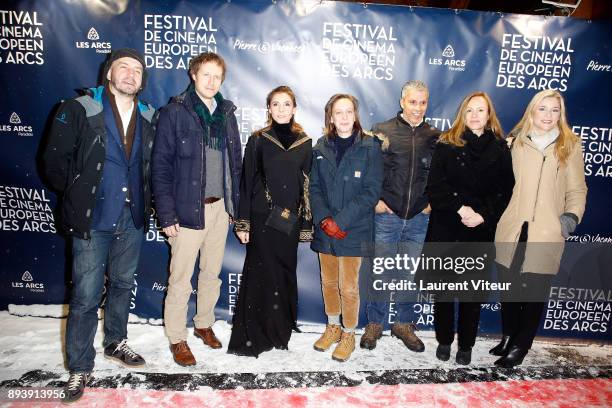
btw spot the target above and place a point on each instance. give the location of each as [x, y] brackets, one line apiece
[96, 93]
[360, 139]
[525, 139]
[546, 140]
[325, 147]
[301, 138]
[226, 106]
[403, 121]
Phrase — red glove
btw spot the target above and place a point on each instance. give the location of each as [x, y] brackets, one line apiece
[329, 226]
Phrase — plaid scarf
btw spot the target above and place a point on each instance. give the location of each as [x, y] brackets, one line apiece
[213, 125]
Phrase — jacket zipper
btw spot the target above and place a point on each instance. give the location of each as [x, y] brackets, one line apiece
[85, 159]
[197, 119]
[411, 174]
[338, 173]
[91, 147]
[68, 187]
[200, 207]
[538, 189]
[229, 157]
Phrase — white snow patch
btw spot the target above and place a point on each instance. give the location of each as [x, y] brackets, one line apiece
[34, 343]
[354, 376]
[132, 318]
[156, 322]
[39, 310]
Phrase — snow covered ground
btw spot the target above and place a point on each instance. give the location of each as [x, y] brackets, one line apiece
[30, 343]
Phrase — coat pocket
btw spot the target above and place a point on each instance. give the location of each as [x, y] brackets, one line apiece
[357, 172]
[186, 146]
[352, 179]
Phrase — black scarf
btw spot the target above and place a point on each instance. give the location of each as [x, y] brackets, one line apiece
[476, 145]
[479, 149]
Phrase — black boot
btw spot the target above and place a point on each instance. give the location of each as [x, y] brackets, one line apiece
[502, 348]
[464, 356]
[514, 357]
[443, 352]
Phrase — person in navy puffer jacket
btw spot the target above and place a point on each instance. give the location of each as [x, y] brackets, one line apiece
[197, 163]
[345, 185]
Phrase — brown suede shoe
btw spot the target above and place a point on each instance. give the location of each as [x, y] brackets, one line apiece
[182, 354]
[405, 332]
[208, 337]
[331, 335]
[345, 348]
[373, 332]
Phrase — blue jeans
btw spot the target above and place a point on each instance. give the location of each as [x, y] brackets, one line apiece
[391, 229]
[116, 252]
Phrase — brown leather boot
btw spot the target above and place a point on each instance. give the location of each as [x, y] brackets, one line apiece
[182, 354]
[405, 332]
[373, 332]
[208, 337]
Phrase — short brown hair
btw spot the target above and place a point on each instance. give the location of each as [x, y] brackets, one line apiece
[330, 129]
[203, 58]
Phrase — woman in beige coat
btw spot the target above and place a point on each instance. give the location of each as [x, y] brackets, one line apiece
[547, 204]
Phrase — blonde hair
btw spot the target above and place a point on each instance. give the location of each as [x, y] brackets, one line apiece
[566, 140]
[453, 135]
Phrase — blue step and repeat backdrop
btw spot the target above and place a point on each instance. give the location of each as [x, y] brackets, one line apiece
[49, 49]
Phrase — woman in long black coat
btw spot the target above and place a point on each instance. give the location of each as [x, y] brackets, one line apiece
[274, 173]
[469, 186]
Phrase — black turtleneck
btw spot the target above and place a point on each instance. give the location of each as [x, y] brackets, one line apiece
[341, 145]
[283, 133]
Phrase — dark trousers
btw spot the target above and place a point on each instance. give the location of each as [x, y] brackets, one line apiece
[113, 252]
[520, 313]
[521, 319]
[467, 323]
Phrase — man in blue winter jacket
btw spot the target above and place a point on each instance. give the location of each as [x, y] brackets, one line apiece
[197, 162]
[98, 157]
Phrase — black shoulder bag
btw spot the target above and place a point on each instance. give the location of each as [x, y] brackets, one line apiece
[280, 218]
